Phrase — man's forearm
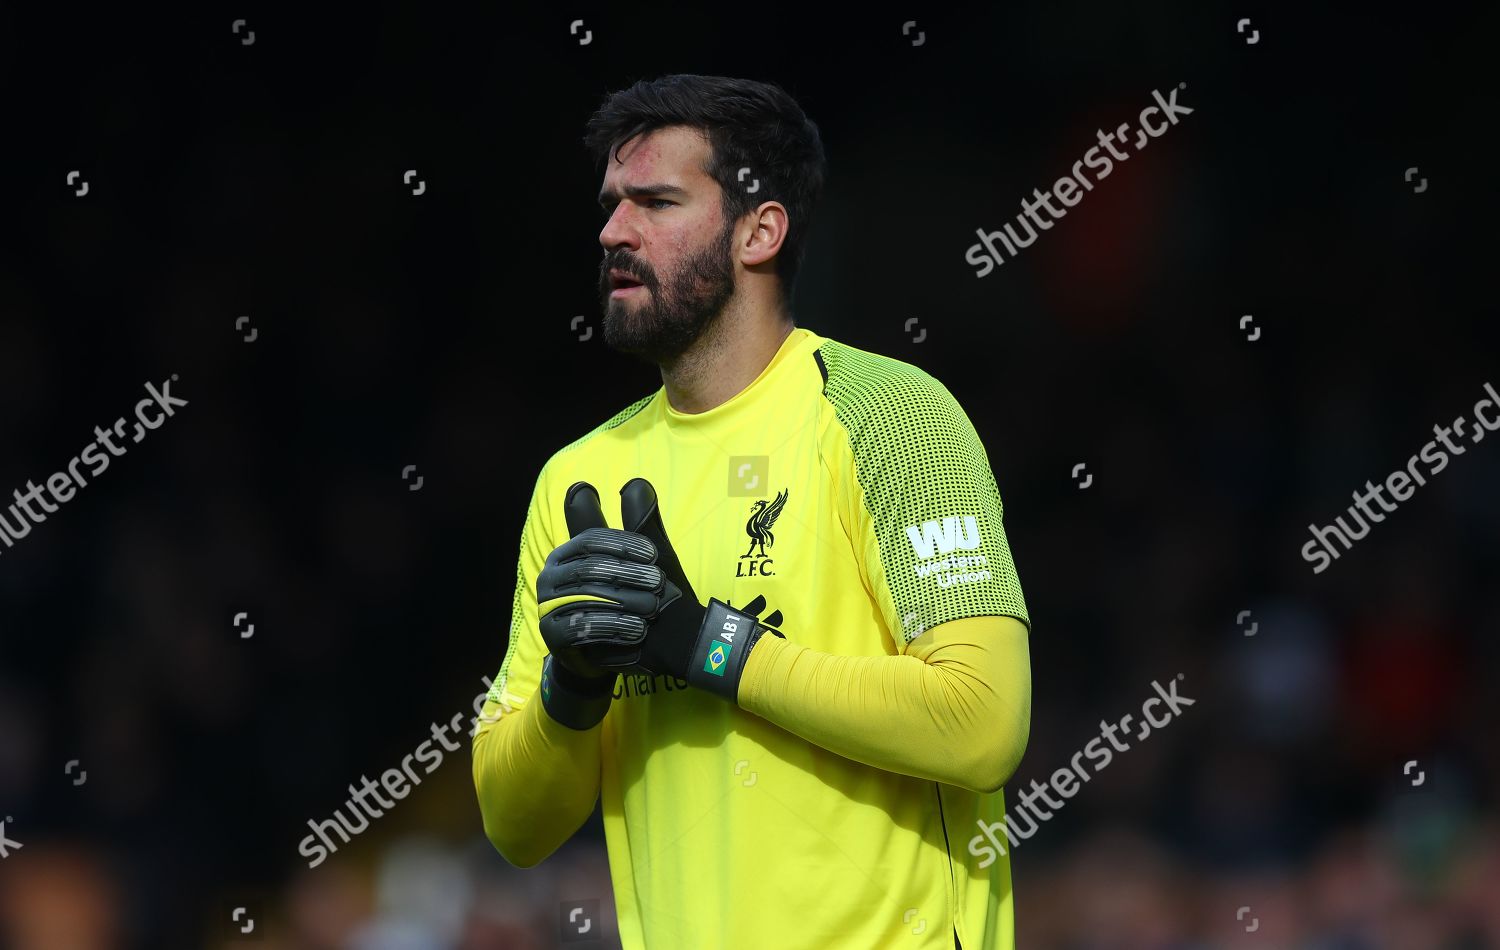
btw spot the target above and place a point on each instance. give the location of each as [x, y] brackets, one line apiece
[537, 780]
[955, 709]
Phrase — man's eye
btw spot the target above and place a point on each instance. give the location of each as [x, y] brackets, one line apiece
[655, 204]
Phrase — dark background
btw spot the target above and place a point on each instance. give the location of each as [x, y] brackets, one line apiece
[265, 180]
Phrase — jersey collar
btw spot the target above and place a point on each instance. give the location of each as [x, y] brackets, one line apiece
[796, 342]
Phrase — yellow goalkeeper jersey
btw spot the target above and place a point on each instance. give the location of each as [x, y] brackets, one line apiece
[851, 492]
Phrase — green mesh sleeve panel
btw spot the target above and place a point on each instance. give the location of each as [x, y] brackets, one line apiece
[534, 551]
[497, 686]
[613, 422]
[929, 492]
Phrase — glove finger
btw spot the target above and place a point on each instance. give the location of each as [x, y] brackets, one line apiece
[607, 573]
[640, 513]
[755, 606]
[576, 628]
[582, 508]
[611, 657]
[638, 508]
[603, 577]
[642, 603]
[625, 545]
[595, 627]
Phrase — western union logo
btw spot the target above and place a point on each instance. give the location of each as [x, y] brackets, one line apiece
[944, 537]
[718, 657]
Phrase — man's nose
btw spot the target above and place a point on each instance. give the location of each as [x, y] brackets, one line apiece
[617, 231]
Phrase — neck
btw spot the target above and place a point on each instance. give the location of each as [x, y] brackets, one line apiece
[726, 359]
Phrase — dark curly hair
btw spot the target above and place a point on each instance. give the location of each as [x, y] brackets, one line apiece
[748, 124]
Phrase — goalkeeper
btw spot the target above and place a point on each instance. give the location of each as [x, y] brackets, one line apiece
[765, 616]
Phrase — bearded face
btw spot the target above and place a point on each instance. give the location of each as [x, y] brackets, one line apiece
[661, 314]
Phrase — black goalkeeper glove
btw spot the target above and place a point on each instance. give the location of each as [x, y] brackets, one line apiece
[596, 567]
[707, 645]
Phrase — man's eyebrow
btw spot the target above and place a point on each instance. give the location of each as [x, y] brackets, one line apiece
[641, 191]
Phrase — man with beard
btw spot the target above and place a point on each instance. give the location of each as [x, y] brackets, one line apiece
[813, 787]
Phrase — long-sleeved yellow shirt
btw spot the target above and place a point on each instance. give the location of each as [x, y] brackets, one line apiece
[829, 807]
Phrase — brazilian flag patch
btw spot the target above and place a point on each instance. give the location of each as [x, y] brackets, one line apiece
[718, 657]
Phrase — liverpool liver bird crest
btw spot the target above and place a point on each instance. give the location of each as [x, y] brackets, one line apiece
[763, 515]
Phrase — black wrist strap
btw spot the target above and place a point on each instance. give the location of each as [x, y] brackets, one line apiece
[575, 701]
[724, 643]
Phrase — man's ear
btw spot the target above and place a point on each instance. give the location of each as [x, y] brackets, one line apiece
[767, 234]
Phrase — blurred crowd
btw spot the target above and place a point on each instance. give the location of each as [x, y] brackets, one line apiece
[1422, 877]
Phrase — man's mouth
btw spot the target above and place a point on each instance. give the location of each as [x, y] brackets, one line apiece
[621, 284]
